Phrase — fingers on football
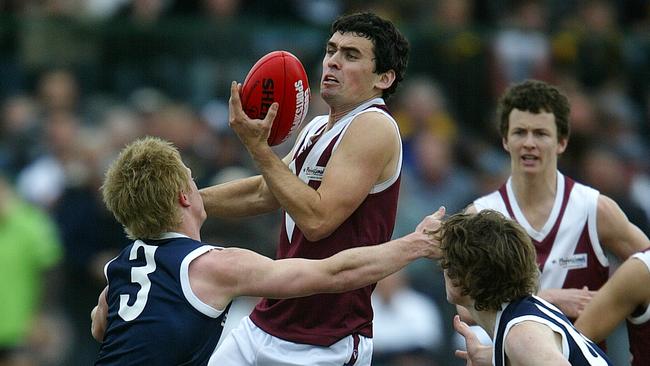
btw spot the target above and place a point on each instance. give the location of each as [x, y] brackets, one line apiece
[272, 112]
[235, 102]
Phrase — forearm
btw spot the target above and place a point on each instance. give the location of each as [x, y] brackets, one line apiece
[301, 202]
[358, 267]
[240, 198]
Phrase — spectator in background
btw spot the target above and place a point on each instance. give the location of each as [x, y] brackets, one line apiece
[29, 250]
[19, 134]
[409, 329]
[421, 108]
[521, 47]
[607, 171]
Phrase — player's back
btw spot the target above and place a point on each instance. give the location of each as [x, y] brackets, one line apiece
[579, 350]
[154, 318]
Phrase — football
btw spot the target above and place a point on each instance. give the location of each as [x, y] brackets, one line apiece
[277, 77]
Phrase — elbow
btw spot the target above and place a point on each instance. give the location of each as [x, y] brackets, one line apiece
[317, 230]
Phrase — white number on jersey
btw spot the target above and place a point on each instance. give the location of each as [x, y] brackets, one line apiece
[138, 275]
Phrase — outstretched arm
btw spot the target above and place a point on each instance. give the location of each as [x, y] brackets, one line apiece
[617, 299]
[239, 198]
[230, 272]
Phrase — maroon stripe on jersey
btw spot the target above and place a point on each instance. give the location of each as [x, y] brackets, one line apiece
[594, 275]
[310, 141]
[504, 196]
[383, 107]
[544, 247]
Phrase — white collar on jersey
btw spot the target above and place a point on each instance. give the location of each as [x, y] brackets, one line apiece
[170, 235]
[363, 106]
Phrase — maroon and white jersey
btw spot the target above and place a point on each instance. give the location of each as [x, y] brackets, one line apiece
[326, 318]
[569, 253]
[638, 325]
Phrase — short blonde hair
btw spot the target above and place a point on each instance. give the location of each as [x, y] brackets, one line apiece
[142, 187]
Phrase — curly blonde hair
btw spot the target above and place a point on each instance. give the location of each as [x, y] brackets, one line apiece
[142, 187]
[490, 258]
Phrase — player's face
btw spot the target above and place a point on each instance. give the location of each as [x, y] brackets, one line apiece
[454, 294]
[348, 71]
[532, 142]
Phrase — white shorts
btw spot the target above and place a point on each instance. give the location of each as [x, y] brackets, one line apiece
[249, 345]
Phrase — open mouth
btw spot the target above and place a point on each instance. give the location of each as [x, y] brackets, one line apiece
[329, 79]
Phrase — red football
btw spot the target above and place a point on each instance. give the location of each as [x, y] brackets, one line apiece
[277, 77]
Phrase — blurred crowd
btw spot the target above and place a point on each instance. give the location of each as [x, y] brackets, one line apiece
[81, 78]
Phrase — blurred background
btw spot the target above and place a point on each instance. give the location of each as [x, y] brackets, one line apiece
[81, 78]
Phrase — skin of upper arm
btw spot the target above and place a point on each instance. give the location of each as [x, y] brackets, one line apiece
[617, 299]
[367, 154]
[218, 276]
[615, 232]
[534, 344]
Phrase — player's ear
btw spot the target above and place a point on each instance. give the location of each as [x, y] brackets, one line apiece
[562, 144]
[183, 199]
[385, 79]
[504, 142]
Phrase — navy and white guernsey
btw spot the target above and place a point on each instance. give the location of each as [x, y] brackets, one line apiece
[576, 348]
[154, 318]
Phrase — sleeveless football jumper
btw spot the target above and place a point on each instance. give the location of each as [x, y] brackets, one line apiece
[324, 319]
[155, 318]
[569, 253]
[576, 348]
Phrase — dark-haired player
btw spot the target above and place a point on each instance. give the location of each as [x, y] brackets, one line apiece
[490, 269]
[338, 189]
[570, 224]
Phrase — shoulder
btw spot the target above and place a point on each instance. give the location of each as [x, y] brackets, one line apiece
[371, 131]
[530, 339]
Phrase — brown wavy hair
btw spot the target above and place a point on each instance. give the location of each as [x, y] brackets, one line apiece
[534, 96]
[142, 187]
[489, 257]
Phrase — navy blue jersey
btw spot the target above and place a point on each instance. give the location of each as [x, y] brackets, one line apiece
[577, 349]
[154, 318]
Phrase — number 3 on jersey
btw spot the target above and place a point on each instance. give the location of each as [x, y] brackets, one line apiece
[139, 275]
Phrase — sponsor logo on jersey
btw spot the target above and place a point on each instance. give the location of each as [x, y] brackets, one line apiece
[314, 173]
[575, 261]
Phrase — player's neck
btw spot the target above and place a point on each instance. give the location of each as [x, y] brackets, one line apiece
[337, 112]
[531, 189]
[486, 319]
[190, 228]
